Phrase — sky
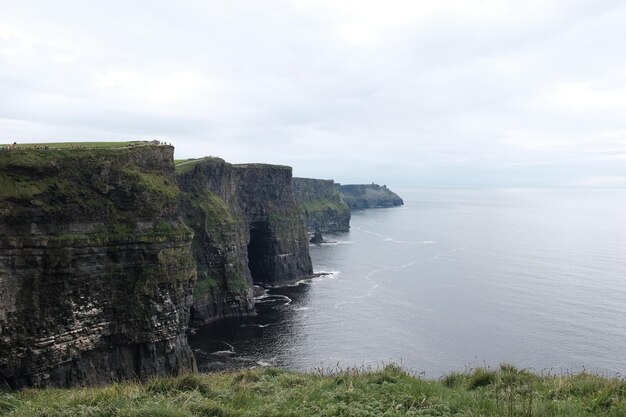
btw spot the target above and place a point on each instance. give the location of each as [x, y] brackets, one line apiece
[442, 93]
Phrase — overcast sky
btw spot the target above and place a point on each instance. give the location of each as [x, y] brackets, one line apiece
[429, 92]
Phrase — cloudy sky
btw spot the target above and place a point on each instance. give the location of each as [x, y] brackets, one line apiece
[467, 92]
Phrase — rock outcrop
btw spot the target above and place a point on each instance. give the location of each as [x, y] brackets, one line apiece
[247, 228]
[96, 268]
[278, 250]
[361, 196]
[210, 207]
[317, 239]
[323, 206]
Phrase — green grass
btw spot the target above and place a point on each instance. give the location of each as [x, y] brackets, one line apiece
[184, 165]
[204, 286]
[71, 145]
[324, 204]
[67, 182]
[387, 392]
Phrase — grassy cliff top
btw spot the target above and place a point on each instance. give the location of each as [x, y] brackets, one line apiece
[389, 392]
[75, 145]
[262, 166]
[51, 182]
[92, 145]
[38, 154]
[184, 165]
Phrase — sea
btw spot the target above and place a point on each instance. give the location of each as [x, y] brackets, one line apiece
[455, 279]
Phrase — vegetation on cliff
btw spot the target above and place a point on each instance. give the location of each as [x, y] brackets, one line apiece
[361, 196]
[323, 208]
[505, 392]
[224, 286]
[60, 182]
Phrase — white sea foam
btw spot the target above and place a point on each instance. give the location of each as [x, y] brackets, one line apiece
[393, 240]
[230, 351]
[408, 242]
[260, 326]
[272, 298]
[369, 232]
[326, 276]
[339, 242]
[222, 353]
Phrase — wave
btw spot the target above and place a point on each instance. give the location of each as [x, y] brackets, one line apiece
[260, 326]
[230, 351]
[409, 242]
[272, 298]
[369, 232]
[338, 242]
[393, 240]
[320, 276]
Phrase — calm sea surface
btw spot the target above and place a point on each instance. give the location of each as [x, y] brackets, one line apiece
[456, 278]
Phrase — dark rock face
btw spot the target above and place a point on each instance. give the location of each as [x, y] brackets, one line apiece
[96, 269]
[278, 250]
[323, 206]
[362, 196]
[209, 202]
[317, 238]
[247, 228]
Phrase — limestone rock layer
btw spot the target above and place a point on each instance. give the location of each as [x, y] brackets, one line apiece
[96, 268]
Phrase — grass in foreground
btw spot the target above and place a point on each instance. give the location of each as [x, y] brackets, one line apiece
[72, 145]
[390, 392]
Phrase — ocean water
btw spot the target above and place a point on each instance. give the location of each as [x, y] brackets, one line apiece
[456, 278]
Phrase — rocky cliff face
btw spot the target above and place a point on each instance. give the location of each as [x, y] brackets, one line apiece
[323, 206]
[247, 229]
[361, 196]
[96, 271]
[278, 250]
[209, 202]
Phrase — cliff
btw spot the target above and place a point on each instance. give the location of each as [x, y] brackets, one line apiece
[323, 206]
[96, 270]
[247, 229]
[361, 196]
[210, 207]
[278, 250]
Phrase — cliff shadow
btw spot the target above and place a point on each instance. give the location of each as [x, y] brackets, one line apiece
[261, 252]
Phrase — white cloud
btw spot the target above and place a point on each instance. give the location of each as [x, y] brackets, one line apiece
[581, 97]
[608, 181]
[146, 87]
[430, 88]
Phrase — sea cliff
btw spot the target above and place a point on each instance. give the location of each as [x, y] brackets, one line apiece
[96, 270]
[247, 228]
[361, 196]
[324, 208]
